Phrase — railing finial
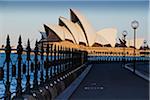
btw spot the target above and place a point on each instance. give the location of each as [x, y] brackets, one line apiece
[8, 40]
[20, 40]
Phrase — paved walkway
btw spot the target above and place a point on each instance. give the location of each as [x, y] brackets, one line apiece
[109, 81]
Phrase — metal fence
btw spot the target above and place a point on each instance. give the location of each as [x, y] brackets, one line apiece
[35, 68]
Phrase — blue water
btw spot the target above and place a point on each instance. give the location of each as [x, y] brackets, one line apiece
[117, 58]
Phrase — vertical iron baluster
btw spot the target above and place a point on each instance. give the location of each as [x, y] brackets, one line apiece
[2, 73]
[47, 62]
[64, 59]
[19, 52]
[8, 52]
[76, 56]
[35, 81]
[51, 55]
[76, 59]
[42, 59]
[69, 58]
[66, 67]
[72, 56]
[84, 56]
[61, 59]
[28, 73]
[58, 65]
[80, 55]
[84, 53]
[79, 58]
[54, 60]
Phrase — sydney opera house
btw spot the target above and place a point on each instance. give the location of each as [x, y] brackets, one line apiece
[77, 31]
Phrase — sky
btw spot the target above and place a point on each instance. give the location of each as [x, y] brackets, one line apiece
[27, 17]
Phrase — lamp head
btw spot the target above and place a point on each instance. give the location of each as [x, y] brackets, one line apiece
[145, 41]
[135, 24]
[124, 33]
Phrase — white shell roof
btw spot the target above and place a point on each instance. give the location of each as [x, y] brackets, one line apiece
[81, 34]
[42, 31]
[138, 44]
[62, 32]
[89, 31]
[101, 40]
[67, 34]
[109, 34]
[75, 30]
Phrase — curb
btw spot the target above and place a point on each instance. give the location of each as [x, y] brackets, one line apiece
[70, 89]
[138, 73]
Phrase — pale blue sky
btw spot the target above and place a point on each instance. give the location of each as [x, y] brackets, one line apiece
[27, 17]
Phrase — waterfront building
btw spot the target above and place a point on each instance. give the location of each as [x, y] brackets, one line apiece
[77, 32]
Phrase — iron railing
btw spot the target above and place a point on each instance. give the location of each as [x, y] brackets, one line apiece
[35, 68]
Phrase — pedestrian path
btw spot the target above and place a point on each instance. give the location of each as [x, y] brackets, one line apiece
[110, 81]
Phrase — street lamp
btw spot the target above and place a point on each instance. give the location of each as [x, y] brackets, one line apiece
[124, 33]
[135, 25]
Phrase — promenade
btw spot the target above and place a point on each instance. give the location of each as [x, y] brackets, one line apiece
[110, 81]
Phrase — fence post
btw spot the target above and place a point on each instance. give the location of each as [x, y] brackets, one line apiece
[58, 56]
[51, 54]
[47, 62]
[42, 59]
[65, 58]
[69, 59]
[8, 52]
[61, 59]
[28, 60]
[19, 52]
[35, 81]
[72, 58]
[54, 60]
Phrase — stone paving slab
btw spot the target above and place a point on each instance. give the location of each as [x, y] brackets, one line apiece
[110, 81]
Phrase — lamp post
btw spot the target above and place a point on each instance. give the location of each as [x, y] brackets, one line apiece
[135, 25]
[124, 33]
